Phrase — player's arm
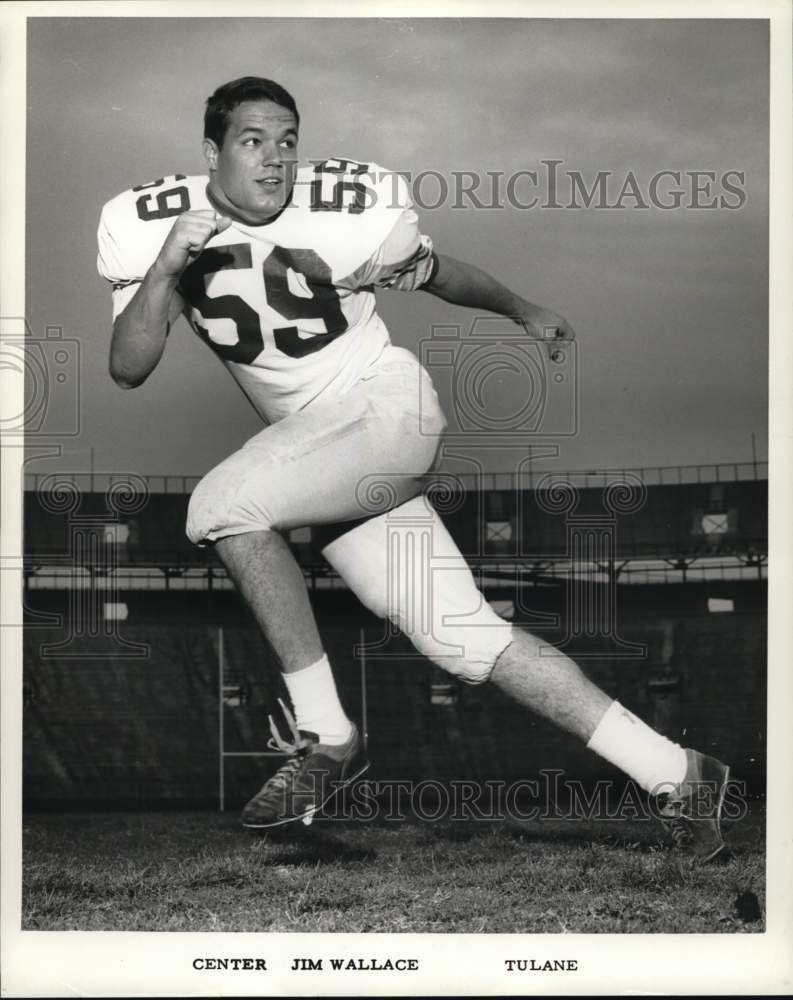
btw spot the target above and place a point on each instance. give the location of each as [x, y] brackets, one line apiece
[406, 261]
[465, 285]
[141, 329]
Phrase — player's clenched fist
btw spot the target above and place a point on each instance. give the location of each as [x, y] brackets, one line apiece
[190, 234]
[544, 324]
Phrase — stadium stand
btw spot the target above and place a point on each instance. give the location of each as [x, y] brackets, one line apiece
[127, 710]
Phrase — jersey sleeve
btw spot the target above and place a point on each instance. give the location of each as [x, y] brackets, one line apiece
[404, 261]
[123, 259]
[111, 265]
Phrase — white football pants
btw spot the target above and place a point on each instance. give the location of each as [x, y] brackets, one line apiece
[363, 457]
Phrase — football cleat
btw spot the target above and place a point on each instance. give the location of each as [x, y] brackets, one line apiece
[691, 812]
[313, 775]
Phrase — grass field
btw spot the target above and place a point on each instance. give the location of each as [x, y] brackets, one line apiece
[200, 871]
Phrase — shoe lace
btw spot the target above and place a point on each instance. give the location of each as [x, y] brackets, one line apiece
[284, 776]
[299, 745]
[680, 832]
[297, 751]
[675, 821]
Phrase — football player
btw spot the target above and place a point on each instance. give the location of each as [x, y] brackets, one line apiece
[275, 265]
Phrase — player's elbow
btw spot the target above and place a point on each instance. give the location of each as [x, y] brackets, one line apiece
[126, 383]
[123, 378]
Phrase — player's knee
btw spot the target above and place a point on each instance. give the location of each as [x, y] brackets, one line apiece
[465, 668]
[222, 505]
[468, 651]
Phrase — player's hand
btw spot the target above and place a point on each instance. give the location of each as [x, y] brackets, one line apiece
[190, 234]
[544, 324]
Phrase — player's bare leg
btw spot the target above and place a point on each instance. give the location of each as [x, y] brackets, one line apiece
[550, 685]
[469, 640]
[269, 579]
[266, 574]
[311, 468]
[692, 786]
[325, 750]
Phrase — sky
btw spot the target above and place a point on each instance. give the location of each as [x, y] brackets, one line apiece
[669, 306]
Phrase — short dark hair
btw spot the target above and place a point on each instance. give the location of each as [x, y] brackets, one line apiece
[230, 95]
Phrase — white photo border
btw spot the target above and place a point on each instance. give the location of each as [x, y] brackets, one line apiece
[159, 964]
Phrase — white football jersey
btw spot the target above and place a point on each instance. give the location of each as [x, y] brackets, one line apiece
[288, 305]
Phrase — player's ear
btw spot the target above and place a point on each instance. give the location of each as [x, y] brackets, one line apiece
[211, 153]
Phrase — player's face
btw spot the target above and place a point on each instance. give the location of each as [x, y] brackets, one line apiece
[252, 174]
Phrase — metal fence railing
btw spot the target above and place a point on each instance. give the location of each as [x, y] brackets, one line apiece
[653, 475]
[491, 574]
[100, 482]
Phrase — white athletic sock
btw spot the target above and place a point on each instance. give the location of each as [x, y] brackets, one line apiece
[649, 758]
[316, 703]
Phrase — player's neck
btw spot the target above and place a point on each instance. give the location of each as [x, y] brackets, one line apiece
[222, 205]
